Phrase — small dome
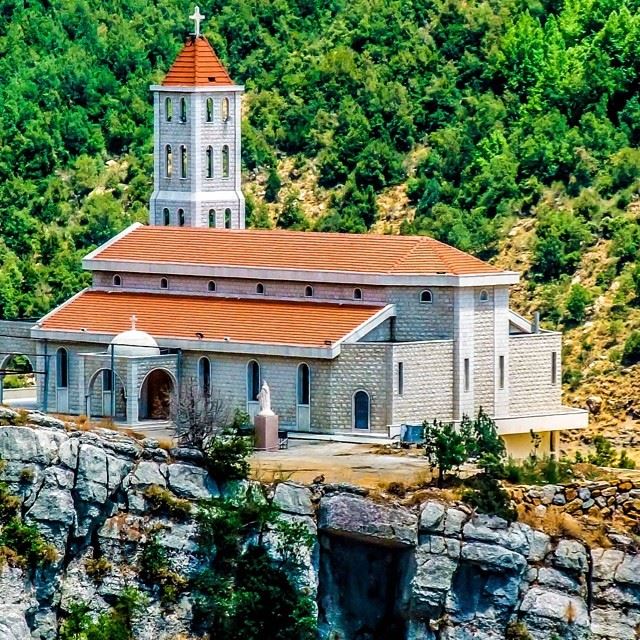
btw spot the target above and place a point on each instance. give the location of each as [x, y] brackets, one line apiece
[135, 343]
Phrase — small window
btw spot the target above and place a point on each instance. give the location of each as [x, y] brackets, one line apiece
[164, 283]
[225, 110]
[260, 289]
[204, 376]
[426, 297]
[117, 281]
[183, 110]
[227, 218]
[209, 109]
[501, 372]
[168, 109]
[212, 218]
[181, 217]
[166, 217]
[209, 162]
[225, 161]
[183, 161]
[62, 368]
[357, 294]
[400, 378]
[107, 380]
[484, 296]
[168, 161]
[253, 381]
[308, 291]
[467, 381]
[211, 286]
[304, 387]
[554, 367]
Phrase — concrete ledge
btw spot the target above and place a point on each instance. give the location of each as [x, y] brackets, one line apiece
[560, 420]
[351, 438]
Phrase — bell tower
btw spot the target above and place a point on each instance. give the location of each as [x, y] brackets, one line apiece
[197, 118]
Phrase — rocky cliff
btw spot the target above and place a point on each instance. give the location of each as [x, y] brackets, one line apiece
[432, 571]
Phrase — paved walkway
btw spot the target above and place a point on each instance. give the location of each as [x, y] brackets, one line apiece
[361, 464]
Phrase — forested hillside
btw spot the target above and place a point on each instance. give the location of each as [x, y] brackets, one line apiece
[509, 128]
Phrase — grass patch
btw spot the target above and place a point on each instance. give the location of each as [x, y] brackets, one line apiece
[162, 501]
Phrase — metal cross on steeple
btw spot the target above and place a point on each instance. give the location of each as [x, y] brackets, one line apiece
[197, 17]
[133, 322]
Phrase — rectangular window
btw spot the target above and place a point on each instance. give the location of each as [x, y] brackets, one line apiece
[106, 380]
[554, 367]
[466, 374]
[400, 378]
[501, 372]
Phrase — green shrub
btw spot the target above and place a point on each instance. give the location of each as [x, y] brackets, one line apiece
[31, 549]
[625, 462]
[98, 568]
[605, 453]
[155, 571]
[163, 501]
[517, 630]
[486, 495]
[577, 302]
[227, 453]
[631, 349]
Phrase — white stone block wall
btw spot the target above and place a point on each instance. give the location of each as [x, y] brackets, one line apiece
[484, 380]
[530, 380]
[422, 321]
[428, 382]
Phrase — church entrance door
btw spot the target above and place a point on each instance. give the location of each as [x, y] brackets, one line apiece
[155, 396]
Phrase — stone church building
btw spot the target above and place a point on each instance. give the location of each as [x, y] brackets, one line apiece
[355, 334]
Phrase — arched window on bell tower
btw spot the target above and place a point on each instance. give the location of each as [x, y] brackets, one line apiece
[209, 159]
[168, 161]
[209, 109]
[183, 161]
[212, 218]
[183, 110]
[168, 109]
[224, 111]
[225, 161]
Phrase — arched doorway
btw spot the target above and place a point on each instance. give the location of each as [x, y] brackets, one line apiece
[361, 410]
[303, 392]
[106, 396]
[156, 395]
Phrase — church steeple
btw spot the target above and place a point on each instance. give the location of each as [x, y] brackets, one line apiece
[197, 119]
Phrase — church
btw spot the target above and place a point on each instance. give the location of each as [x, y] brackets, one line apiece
[356, 335]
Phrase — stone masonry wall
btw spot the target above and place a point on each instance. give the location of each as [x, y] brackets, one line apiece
[530, 382]
[428, 381]
[484, 352]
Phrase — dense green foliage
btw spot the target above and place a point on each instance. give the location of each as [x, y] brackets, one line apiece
[499, 98]
[244, 593]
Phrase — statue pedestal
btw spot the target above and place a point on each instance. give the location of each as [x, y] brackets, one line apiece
[266, 433]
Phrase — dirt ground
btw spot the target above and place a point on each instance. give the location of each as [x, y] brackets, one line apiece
[361, 464]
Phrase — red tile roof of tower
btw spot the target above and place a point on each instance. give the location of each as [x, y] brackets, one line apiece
[197, 65]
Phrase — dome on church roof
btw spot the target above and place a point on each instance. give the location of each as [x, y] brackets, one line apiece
[135, 343]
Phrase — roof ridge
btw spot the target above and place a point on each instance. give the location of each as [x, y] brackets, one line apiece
[403, 258]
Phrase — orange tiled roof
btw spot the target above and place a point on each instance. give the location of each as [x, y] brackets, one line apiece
[263, 321]
[362, 253]
[197, 65]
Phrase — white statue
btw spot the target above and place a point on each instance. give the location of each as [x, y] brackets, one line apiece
[264, 397]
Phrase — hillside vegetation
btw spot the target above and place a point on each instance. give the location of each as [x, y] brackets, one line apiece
[508, 128]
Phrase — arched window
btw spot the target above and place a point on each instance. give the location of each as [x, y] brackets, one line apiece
[357, 294]
[168, 109]
[361, 410]
[62, 368]
[304, 384]
[117, 281]
[211, 286]
[426, 297]
[308, 291]
[227, 218]
[253, 381]
[181, 217]
[225, 110]
[209, 160]
[225, 161]
[212, 218]
[164, 283]
[484, 296]
[204, 376]
[209, 109]
[168, 161]
[183, 161]
[183, 110]
[166, 217]
[260, 289]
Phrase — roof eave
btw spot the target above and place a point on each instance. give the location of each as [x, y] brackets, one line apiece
[303, 275]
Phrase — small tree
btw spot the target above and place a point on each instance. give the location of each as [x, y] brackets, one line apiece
[445, 447]
[484, 444]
